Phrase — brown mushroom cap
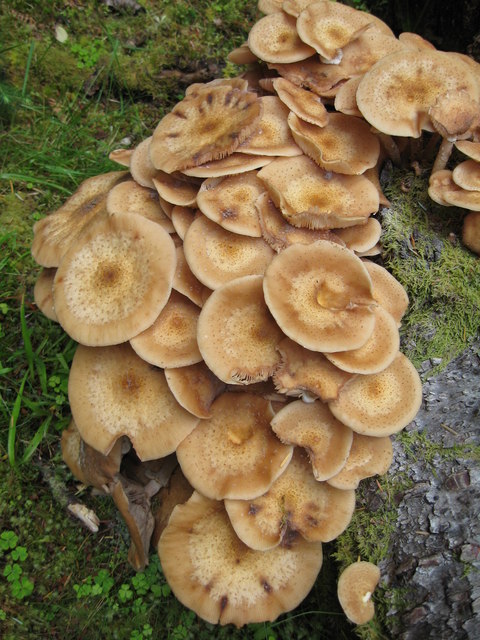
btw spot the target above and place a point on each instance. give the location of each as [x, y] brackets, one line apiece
[234, 453]
[310, 197]
[206, 125]
[312, 426]
[237, 336]
[229, 166]
[320, 296]
[114, 281]
[216, 256]
[195, 387]
[443, 190]
[294, 502]
[471, 231]
[455, 114]
[361, 237]
[171, 341]
[346, 97]
[467, 175]
[212, 572]
[113, 392]
[380, 404]
[121, 156]
[345, 145]
[469, 148]
[355, 587]
[176, 188]
[43, 293]
[368, 456]
[141, 166]
[186, 283]
[274, 38]
[387, 290]
[130, 197]
[305, 104]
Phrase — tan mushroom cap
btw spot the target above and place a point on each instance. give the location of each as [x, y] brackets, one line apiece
[270, 6]
[322, 79]
[279, 234]
[237, 336]
[307, 373]
[345, 145]
[217, 256]
[130, 197]
[206, 125]
[346, 97]
[212, 572]
[467, 175]
[355, 587]
[55, 233]
[171, 341]
[242, 55]
[320, 296]
[415, 41]
[234, 453]
[294, 502]
[295, 7]
[274, 38]
[361, 237]
[380, 404]
[186, 283]
[114, 281]
[387, 290]
[234, 83]
[471, 231]
[230, 202]
[113, 392]
[231, 165]
[303, 103]
[310, 197]
[182, 218]
[312, 426]
[177, 188]
[396, 94]
[195, 387]
[443, 190]
[272, 136]
[455, 114]
[373, 175]
[141, 166]
[469, 148]
[43, 293]
[377, 353]
[368, 456]
[121, 156]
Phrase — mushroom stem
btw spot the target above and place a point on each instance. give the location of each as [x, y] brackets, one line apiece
[390, 147]
[443, 155]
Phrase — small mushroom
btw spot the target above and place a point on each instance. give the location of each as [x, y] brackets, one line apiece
[355, 587]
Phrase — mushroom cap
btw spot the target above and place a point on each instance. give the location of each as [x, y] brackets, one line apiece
[455, 114]
[121, 156]
[171, 341]
[322, 79]
[206, 125]
[469, 148]
[114, 281]
[195, 387]
[237, 336]
[43, 293]
[377, 353]
[212, 572]
[387, 290]
[242, 55]
[230, 202]
[216, 256]
[361, 237]
[345, 144]
[186, 283]
[113, 392]
[368, 456]
[312, 426]
[56, 232]
[346, 97]
[471, 231]
[176, 188]
[305, 104]
[182, 218]
[396, 94]
[320, 296]
[270, 6]
[294, 502]
[234, 453]
[274, 38]
[310, 197]
[141, 166]
[443, 190]
[467, 175]
[355, 587]
[229, 166]
[380, 404]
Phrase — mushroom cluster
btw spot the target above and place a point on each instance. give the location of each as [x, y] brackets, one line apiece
[238, 371]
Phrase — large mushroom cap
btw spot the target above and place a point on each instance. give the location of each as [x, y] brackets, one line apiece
[212, 572]
[320, 296]
[114, 281]
[274, 38]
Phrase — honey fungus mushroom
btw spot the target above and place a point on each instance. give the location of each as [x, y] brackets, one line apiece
[355, 587]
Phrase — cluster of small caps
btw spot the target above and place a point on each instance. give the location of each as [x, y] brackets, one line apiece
[228, 321]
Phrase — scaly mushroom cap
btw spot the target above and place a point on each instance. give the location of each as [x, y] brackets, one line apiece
[113, 392]
[195, 387]
[176, 188]
[141, 166]
[471, 231]
[294, 502]
[368, 456]
[305, 104]
[345, 145]
[206, 125]
[320, 296]
[234, 453]
[274, 38]
[387, 290]
[114, 281]
[455, 114]
[43, 293]
[307, 373]
[217, 256]
[380, 404]
[171, 341]
[270, 6]
[467, 175]
[237, 336]
[322, 79]
[231, 165]
[396, 94]
[130, 197]
[377, 353]
[310, 197]
[212, 572]
[355, 587]
[230, 202]
[312, 426]
[361, 237]
[56, 232]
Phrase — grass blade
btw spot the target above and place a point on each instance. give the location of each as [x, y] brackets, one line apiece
[27, 68]
[12, 427]
[37, 438]
[26, 339]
